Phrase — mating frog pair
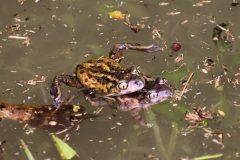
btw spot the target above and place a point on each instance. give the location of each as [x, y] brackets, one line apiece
[104, 75]
[154, 92]
[114, 83]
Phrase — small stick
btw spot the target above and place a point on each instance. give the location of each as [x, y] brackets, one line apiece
[185, 86]
[18, 37]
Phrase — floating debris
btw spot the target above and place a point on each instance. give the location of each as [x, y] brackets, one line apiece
[52, 123]
[178, 95]
[208, 65]
[18, 29]
[135, 28]
[163, 4]
[197, 116]
[76, 108]
[184, 22]
[217, 83]
[176, 46]
[99, 25]
[156, 33]
[221, 113]
[179, 59]
[210, 133]
[36, 80]
[7, 90]
[18, 37]
[21, 1]
[205, 157]
[222, 37]
[204, 71]
[1, 149]
[26, 42]
[173, 13]
[201, 3]
[119, 123]
[118, 15]
[235, 3]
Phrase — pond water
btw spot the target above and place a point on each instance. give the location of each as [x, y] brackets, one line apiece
[65, 33]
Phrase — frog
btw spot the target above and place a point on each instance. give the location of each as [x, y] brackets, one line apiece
[154, 92]
[104, 75]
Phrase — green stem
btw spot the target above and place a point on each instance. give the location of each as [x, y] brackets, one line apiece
[208, 157]
[157, 135]
[173, 137]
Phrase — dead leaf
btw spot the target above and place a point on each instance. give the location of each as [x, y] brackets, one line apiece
[116, 15]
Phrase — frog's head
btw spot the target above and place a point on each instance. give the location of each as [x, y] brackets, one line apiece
[130, 82]
[158, 92]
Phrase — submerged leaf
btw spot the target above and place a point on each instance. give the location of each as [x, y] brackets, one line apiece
[219, 88]
[174, 114]
[221, 45]
[116, 15]
[177, 75]
[65, 151]
[27, 151]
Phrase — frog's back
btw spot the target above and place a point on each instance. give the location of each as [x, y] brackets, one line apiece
[101, 74]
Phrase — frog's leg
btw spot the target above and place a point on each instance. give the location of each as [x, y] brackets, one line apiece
[96, 102]
[73, 97]
[55, 89]
[135, 113]
[116, 53]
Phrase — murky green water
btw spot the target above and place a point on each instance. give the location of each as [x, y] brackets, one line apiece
[63, 32]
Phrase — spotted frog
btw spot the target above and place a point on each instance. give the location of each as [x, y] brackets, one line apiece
[154, 92]
[104, 75]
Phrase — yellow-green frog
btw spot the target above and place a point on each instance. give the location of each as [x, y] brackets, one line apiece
[154, 92]
[104, 75]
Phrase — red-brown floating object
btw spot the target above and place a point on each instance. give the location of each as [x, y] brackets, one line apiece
[176, 46]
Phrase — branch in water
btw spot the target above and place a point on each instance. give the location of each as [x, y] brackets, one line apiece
[44, 116]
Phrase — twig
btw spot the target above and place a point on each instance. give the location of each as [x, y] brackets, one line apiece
[185, 86]
[18, 37]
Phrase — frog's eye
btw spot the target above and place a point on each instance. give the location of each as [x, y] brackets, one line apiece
[152, 95]
[122, 85]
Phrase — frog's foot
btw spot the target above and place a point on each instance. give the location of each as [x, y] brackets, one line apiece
[58, 102]
[55, 92]
[96, 102]
[55, 89]
[73, 97]
[135, 113]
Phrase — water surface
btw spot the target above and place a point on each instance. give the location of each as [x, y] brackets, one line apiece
[63, 32]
